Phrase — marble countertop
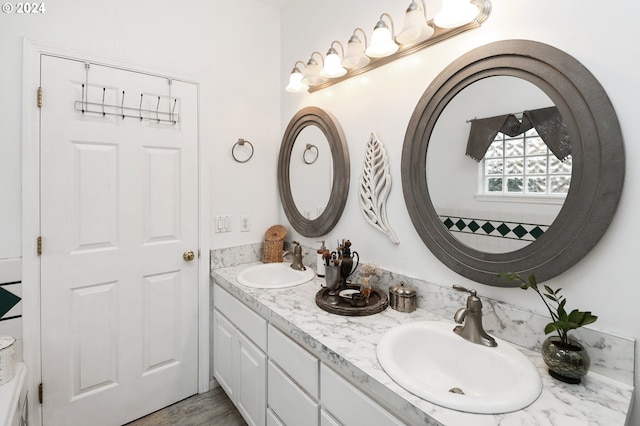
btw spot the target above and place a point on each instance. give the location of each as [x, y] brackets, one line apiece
[348, 344]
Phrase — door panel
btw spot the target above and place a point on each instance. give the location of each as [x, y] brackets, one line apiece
[93, 331]
[119, 206]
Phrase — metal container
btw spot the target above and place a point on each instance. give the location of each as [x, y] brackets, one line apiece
[402, 297]
[7, 359]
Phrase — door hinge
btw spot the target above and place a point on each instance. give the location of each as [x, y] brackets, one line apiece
[40, 397]
[39, 97]
[39, 245]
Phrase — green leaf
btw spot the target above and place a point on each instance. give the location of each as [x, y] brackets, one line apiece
[550, 328]
[576, 316]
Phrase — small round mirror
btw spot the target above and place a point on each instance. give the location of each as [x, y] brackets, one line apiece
[313, 191]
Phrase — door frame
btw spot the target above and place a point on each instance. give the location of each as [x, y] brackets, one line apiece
[31, 271]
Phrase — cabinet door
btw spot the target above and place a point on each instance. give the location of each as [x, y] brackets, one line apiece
[251, 382]
[223, 353]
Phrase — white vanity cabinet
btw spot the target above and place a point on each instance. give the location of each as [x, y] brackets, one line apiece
[13, 399]
[274, 381]
[239, 360]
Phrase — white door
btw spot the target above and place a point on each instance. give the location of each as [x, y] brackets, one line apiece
[119, 208]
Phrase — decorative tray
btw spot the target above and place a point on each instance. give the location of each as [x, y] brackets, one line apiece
[378, 302]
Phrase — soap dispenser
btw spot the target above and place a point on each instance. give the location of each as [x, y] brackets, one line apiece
[320, 262]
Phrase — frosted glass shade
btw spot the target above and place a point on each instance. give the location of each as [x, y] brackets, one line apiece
[382, 43]
[295, 83]
[332, 67]
[455, 13]
[311, 76]
[415, 28]
[355, 57]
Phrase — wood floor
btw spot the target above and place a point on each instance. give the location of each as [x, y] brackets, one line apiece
[206, 409]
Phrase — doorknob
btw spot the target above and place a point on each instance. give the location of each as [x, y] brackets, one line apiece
[188, 255]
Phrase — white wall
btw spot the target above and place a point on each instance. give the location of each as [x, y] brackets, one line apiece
[231, 48]
[383, 101]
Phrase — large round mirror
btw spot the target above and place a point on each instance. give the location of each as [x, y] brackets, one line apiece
[597, 158]
[507, 199]
[313, 172]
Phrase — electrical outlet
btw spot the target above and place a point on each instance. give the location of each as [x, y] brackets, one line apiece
[245, 224]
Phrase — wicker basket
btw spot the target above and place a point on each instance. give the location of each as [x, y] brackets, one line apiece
[274, 244]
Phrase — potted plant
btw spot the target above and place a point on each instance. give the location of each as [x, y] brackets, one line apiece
[566, 358]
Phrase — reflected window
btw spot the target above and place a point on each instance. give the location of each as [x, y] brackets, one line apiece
[524, 165]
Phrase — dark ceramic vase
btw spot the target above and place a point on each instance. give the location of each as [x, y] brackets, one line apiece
[567, 363]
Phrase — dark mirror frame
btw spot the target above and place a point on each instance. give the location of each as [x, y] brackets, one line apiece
[313, 116]
[598, 161]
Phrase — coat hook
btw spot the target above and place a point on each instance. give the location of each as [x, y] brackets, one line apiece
[122, 105]
[141, 96]
[104, 90]
[175, 101]
[157, 108]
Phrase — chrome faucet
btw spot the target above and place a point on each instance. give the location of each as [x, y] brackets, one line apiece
[472, 317]
[296, 257]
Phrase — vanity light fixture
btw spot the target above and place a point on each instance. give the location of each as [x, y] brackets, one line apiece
[311, 75]
[456, 17]
[354, 56]
[295, 80]
[455, 13]
[332, 62]
[415, 27]
[382, 43]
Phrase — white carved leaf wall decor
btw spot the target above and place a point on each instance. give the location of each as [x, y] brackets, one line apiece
[375, 185]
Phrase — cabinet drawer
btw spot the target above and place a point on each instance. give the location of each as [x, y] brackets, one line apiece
[272, 420]
[327, 420]
[299, 364]
[247, 321]
[292, 406]
[349, 405]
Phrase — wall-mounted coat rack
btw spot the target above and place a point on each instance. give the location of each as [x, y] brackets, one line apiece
[168, 116]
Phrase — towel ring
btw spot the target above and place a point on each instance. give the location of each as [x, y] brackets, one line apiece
[309, 148]
[241, 142]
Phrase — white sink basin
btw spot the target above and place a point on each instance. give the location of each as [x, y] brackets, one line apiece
[274, 275]
[429, 360]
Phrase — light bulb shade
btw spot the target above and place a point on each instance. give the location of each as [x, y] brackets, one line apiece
[382, 43]
[295, 83]
[415, 28]
[455, 13]
[311, 76]
[332, 67]
[355, 57]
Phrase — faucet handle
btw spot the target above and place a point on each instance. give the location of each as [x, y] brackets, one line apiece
[460, 288]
